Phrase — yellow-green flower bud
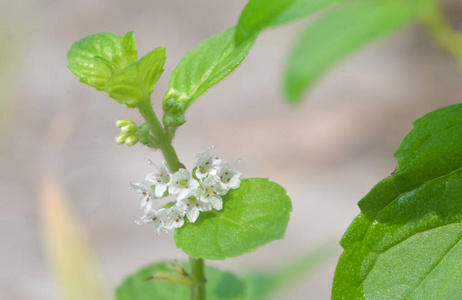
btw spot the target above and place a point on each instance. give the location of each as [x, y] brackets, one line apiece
[124, 122]
[131, 140]
[120, 139]
[126, 126]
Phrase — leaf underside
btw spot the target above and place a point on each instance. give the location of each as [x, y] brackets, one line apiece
[406, 242]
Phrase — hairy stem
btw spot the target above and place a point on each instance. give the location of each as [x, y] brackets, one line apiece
[164, 139]
[443, 33]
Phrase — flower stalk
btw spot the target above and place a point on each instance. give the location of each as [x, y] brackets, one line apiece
[164, 139]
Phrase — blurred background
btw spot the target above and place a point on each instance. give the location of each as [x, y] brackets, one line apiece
[57, 137]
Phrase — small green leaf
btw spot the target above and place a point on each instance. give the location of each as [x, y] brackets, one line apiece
[257, 15]
[200, 69]
[301, 9]
[339, 33]
[406, 243]
[252, 216]
[96, 57]
[136, 82]
[221, 285]
[129, 51]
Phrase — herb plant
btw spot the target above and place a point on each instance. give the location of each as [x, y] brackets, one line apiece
[405, 243]
[215, 214]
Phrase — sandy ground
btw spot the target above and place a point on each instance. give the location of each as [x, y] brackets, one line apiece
[327, 152]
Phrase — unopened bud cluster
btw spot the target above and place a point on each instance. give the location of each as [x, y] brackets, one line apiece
[130, 133]
[194, 192]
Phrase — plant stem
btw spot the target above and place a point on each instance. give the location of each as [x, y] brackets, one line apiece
[443, 33]
[165, 145]
[198, 277]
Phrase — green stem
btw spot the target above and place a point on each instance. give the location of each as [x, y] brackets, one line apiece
[443, 33]
[198, 277]
[164, 139]
[164, 142]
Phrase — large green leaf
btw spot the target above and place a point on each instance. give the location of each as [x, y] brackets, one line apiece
[200, 69]
[300, 9]
[339, 33]
[136, 82]
[220, 286]
[257, 15]
[406, 243]
[96, 57]
[252, 216]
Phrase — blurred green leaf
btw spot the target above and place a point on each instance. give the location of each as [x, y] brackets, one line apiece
[406, 242]
[301, 9]
[252, 216]
[257, 15]
[200, 69]
[221, 285]
[73, 261]
[261, 285]
[8, 59]
[136, 82]
[95, 58]
[339, 33]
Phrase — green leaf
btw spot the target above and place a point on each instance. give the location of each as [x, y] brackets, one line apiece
[200, 69]
[221, 285]
[129, 51]
[136, 82]
[96, 57]
[257, 15]
[252, 216]
[301, 9]
[406, 242]
[339, 33]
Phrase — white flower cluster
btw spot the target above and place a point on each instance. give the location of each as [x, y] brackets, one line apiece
[200, 191]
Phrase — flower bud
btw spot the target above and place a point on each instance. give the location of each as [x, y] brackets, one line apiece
[174, 120]
[144, 128]
[120, 139]
[124, 122]
[131, 140]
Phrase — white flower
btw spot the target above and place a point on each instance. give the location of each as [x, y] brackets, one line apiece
[213, 189]
[153, 216]
[193, 204]
[161, 179]
[229, 177]
[206, 164]
[145, 194]
[172, 217]
[182, 184]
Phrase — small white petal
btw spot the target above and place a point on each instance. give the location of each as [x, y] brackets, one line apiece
[160, 190]
[192, 213]
[216, 202]
[205, 206]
